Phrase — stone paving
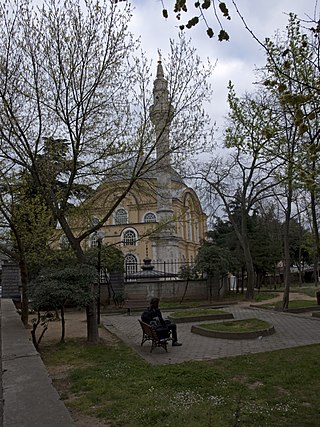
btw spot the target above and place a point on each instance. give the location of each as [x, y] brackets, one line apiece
[292, 330]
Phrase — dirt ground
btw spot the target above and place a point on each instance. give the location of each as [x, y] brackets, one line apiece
[76, 327]
[76, 324]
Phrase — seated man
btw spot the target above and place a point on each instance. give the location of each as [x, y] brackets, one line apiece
[153, 317]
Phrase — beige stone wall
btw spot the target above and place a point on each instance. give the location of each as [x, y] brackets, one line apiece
[188, 216]
[198, 290]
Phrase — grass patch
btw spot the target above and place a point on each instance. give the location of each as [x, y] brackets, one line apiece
[309, 290]
[292, 304]
[184, 304]
[301, 303]
[228, 297]
[114, 384]
[245, 325]
[196, 312]
[257, 297]
[263, 296]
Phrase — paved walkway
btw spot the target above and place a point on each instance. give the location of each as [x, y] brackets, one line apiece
[29, 398]
[291, 331]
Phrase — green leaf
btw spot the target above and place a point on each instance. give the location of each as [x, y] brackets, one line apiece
[206, 4]
[224, 10]
[192, 22]
[223, 35]
[210, 32]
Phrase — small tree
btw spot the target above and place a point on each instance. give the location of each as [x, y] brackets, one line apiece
[75, 107]
[55, 288]
[107, 259]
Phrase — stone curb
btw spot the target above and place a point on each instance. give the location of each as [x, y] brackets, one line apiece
[197, 329]
[201, 318]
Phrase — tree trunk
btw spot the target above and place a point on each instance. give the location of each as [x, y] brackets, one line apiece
[24, 293]
[247, 256]
[91, 309]
[92, 320]
[286, 293]
[242, 280]
[185, 290]
[242, 235]
[316, 235]
[63, 325]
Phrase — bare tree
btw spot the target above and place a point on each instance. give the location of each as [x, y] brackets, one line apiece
[74, 106]
[291, 75]
[244, 177]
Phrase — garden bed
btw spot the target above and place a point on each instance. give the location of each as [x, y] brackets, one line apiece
[199, 315]
[235, 330]
[295, 306]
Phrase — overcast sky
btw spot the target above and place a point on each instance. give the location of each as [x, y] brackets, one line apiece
[237, 58]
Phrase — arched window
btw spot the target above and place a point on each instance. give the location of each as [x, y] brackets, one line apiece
[93, 241]
[189, 226]
[94, 220]
[196, 232]
[182, 228]
[150, 217]
[129, 238]
[64, 242]
[121, 216]
[131, 264]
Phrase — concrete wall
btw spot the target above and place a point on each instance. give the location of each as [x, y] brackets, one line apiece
[197, 290]
[10, 280]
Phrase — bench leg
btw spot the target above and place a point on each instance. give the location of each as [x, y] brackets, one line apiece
[159, 344]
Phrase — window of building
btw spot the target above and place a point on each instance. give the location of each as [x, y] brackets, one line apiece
[93, 241]
[196, 232]
[121, 216]
[131, 264]
[129, 238]
[64, 242]
[150, 217]
[94, 220]
[189, 226]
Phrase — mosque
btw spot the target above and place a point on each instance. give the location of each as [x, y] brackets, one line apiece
[161, 218]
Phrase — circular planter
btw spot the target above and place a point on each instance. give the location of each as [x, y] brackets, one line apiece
[200, 318]
[303, 309]
[290, 310]
[233, 335]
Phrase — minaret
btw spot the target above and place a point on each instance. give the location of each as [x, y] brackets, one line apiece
[161, 114]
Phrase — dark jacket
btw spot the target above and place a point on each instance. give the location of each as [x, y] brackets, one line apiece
[153, 315]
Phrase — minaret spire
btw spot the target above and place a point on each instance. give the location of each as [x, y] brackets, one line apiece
[161, 114]
[160, 73]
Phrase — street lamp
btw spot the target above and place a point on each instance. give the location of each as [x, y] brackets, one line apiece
[99, 236]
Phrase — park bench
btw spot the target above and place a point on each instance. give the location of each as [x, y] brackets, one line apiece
[135, 305]
[149, 334]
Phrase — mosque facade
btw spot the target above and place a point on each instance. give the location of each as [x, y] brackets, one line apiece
[160, 218]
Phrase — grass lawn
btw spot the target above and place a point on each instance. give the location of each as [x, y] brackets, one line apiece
[263, 296]
[113, 383]
[309, 290]
[245, 325]
[229, 297]
[258, 296]
[292, 304]
[196, 312]
[185, 304]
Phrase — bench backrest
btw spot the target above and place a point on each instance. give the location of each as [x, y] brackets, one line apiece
[148, 330]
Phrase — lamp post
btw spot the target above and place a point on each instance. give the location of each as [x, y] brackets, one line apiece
[100, 236]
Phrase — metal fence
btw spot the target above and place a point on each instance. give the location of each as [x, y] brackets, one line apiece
[164, 270]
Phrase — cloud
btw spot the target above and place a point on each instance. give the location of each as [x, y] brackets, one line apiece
[238, 58]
